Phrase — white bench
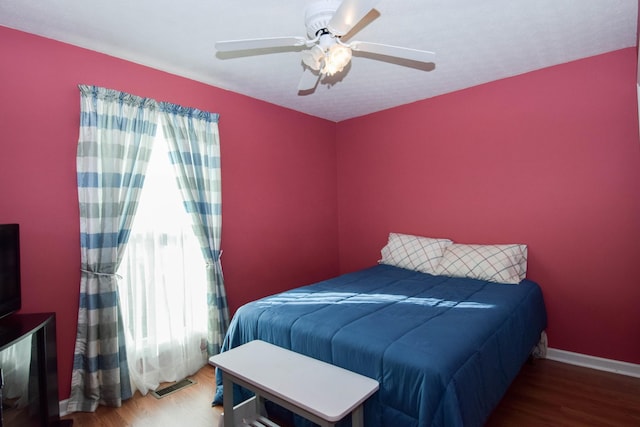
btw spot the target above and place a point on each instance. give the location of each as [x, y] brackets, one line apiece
[316, 390]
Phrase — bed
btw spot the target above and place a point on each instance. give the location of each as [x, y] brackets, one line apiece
[444, 349]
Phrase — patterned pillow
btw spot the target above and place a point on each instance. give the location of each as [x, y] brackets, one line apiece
[413, 252]
[495, 263]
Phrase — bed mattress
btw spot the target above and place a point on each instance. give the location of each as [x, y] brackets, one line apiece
[444, 349]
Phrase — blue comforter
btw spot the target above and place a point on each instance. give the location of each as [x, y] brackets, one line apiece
[444, 349]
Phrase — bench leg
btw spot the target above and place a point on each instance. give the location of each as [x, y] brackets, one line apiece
[356, 417]
[260, 405]
[227, 401]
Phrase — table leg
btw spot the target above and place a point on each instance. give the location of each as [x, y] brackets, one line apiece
[227, 401]
[356, 417]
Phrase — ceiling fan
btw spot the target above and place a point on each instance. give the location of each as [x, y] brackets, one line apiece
[326, 54]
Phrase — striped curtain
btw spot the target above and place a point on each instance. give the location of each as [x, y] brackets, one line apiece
[116, 133]
[195, 153]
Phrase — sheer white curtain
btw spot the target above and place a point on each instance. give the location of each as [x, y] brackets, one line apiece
[163, 287]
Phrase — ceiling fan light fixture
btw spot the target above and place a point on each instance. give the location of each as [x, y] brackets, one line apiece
[313, 57]
[336, 58]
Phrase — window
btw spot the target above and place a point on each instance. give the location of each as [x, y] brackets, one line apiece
[163, 285]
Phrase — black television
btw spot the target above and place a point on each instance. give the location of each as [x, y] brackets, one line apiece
[10, 296]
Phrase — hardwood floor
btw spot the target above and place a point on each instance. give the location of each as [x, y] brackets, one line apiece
[548, 393]
[545, 393]
[188, 407]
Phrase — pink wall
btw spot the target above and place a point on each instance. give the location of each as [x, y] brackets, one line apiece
[549, 158]
[279, 178]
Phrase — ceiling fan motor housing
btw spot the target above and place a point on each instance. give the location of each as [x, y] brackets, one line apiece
[318, 15]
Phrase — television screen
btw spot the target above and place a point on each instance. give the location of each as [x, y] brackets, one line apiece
[9, 269]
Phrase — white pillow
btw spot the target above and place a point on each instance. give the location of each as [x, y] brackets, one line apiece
[495, 263]
[413, 252]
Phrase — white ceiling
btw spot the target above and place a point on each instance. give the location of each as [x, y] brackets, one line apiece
[476, 41]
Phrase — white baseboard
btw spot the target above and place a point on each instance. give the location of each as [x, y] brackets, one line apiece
[609, 365]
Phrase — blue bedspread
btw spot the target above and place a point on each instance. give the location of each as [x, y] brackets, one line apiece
[444, 349]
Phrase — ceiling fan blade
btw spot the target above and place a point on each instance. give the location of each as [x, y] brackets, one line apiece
[308, 81]
[231, 45]
[348, 14]
[394, 51]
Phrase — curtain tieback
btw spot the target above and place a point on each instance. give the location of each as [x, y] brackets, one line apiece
[95, 273]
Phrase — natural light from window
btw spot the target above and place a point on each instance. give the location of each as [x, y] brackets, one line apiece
[163, 285]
